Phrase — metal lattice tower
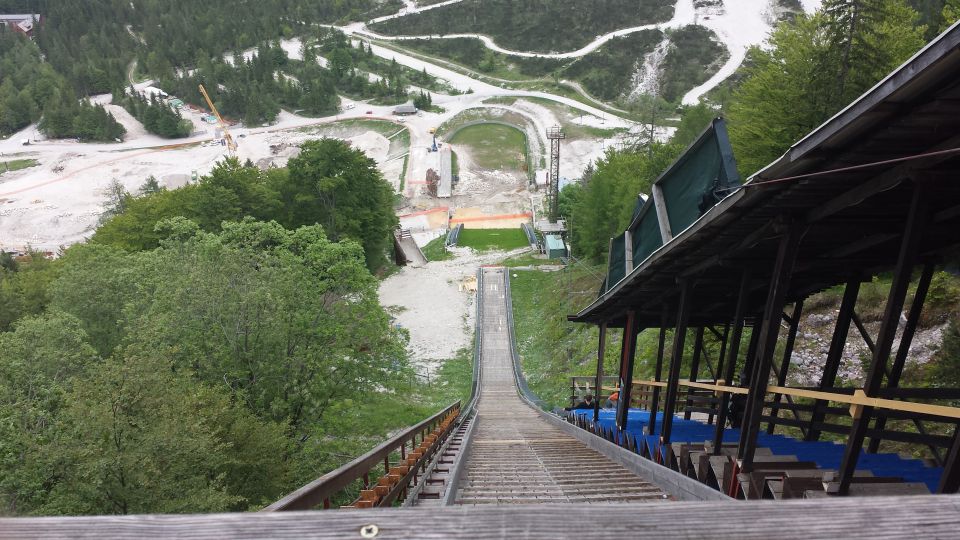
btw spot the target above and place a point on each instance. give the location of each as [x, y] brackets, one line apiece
[555, 134]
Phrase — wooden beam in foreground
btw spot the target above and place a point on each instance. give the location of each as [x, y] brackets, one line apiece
[873, 518]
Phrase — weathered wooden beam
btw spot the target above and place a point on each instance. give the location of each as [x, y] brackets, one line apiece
[794, 321]
[906, 339]
[601, 352]
[658, 371]
[868, 518]
[732, 355]
[835, 353]
[906, 258]
[628, 352]
[769, 330]
[694, 367]
[663, 218]
[676, 359]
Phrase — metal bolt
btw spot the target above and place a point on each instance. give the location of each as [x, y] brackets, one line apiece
[369, 531]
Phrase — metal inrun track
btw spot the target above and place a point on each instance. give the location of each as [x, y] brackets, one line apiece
[505, 452]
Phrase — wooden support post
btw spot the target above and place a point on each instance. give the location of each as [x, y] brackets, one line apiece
[676, 358]
[628, 351]
[766, 346]
[694, 368]
[732, 355]
[598, 387]
[835, 353]
[909, 248]
[950, 479]
[663, 218]
[909, 329]
[720, 361]
[658, 372]
[785, 365]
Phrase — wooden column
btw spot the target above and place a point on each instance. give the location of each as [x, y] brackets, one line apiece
[950, 479]
[766, 346]
[835, 353]
[658, 373]
[694, 368]
[598, 385]
[720, 362]
[909, 248]
[732, 355]
[628, 351]
[676, 358]
[785, 365]
[909, 330]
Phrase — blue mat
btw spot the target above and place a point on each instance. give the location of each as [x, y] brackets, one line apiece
[826, 455]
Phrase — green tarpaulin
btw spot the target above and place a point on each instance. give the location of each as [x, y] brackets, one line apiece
[692, 185]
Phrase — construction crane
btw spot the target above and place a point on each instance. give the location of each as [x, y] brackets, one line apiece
[231, 145]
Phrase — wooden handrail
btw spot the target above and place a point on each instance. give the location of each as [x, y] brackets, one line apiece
[857, 401]
[321, 490]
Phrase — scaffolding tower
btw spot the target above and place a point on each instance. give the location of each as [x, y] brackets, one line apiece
[555, 134]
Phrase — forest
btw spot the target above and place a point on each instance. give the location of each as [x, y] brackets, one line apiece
[87, 47]
[255, 88]
[210, 349]
[532, 25]
[156, 116]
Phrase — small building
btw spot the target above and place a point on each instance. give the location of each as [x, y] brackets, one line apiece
[175, 103]
[22, 23]
[555, 246]
[405, 110]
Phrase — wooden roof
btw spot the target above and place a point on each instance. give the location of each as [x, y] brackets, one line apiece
[855, 216]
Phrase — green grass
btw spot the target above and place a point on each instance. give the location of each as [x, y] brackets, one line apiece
[529, 259]
[17, 164]
[454, 164]
[494, 146]
[493, 239]
[436, 250]
[503, 100]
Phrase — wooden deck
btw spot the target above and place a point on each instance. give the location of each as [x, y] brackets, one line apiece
[917, 517]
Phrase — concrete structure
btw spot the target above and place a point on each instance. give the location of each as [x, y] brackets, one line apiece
[22, 23]
[445, 188]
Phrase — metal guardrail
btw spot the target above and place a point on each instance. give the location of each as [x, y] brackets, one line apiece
[456, 468]
[396, 478]
[453, 236]
[531, 235]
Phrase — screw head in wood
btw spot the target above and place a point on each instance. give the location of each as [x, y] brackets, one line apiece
[369, 531]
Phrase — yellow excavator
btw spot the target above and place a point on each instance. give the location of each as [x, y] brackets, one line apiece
[231, 145]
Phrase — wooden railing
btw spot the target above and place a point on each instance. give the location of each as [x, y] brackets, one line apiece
[414, 448]
[806, 408]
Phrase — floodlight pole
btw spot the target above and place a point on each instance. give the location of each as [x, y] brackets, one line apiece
[555, 134]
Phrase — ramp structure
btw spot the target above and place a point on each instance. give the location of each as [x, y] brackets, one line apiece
[514, 455]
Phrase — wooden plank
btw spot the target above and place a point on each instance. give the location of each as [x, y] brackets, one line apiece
[663, 218]
[871, 518]
[861, 399]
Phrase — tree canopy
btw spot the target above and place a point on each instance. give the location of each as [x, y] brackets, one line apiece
[195, 376]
